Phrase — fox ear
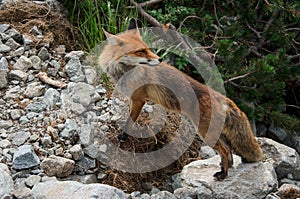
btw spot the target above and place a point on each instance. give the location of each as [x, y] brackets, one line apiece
[112, 39]
[132, 24]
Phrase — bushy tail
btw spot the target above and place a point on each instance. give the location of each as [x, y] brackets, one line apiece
[238, 131]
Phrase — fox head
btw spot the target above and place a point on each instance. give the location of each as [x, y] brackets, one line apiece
[126, 50]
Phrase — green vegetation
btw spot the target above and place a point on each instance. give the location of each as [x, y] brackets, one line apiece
[256, 45]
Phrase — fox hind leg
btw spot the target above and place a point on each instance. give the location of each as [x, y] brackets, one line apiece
[225, 154]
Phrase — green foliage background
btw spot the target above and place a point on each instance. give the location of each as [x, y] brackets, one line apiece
[257, 40]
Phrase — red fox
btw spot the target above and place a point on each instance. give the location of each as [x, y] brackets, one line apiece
[128, 54]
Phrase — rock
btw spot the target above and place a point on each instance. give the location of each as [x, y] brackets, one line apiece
[191, 193]
[51, 97]
[85, 179]
[4, 27]
[20, 51]
[36, 107]
[12, 44]
[74, 54]
[4, 48]
[75, 190]
[15, 114]
[5, 124]
[6, 182]
[34, 89]
[32, 180]
[92, 151]
[25, 158]
[3, 78]
[90, 74]
[36, 62]
[76, 152]
[74, 70]
[286, 159]
[4, 144]
[35, 31]
[57, 166]
[85, 164]
[69, 129]
[105, 117]
[272, 196]
[207, 152]
[23, 64]
[86, 135]
[3, 64]
[43, 54]
[163, 195]
[18, 75]
[15, 35]
[251, 181]
[22, 193]
[288, 191]
[279, 133]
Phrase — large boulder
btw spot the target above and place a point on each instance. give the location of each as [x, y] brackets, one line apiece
[251, 180]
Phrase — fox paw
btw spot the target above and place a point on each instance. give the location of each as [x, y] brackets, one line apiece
[221, 175]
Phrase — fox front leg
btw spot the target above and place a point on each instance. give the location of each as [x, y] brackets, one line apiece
[135, 110]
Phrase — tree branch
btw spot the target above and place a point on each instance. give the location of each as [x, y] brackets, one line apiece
[238, 77]
[150, 2]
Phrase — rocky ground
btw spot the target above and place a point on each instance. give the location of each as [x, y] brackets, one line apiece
[54, 114]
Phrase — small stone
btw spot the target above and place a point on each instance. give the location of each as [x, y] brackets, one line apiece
[85, 164]
[32, 180]
[4, 37]
[3, 78]
[17, 36]
[55, 64]
[68, 155]
[74, 70]
[18, 75]
[74, 54]
[20, 51]
[35, 31]
[105, 117]
[76, 152]
[90, 74]
[21, 193]
[4, 48]
[85, 179]
[59, 151]
[44, 54]
[15, 114]
[36, 62]
[92, 151]
[19, 137]
[46, 141]
[51, 97]
[4, 27]
[25, 158]
[23, 64]
[115, 118]
[86, 135]
[12, 43]
[34, 89]
[104, 128]
[101, 90]
[36, 107]
[61, 49]
[23, 120]
[57, 166]
[5, 124]
[3, 64]
[70, 129]
[4, 144]
[207, 152]
[148, 108]
[27, 41]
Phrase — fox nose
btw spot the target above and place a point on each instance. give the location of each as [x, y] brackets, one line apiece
[160, 59]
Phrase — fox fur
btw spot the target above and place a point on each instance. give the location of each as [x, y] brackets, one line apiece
[141, 75]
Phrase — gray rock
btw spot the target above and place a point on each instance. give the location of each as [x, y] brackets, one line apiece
[6, 182]
[86, 135]
[76, 152]
[74, 70]
[138, 195]
[90, 74]
[85, 164]
[35, 31]
[101, 90]
[43, 54]
[36, 62]
[83, 93]
[19, 137]
[191, 193]
[36, 107]
[92, 151]
[23, 64]
[15, 35]
[51, 97]
[74, 54]
[46, 140]
[163, 195]
[75, 190]
[27, 41]
[5, 124]
[32, 180]
[18, 75]
[12, 44]
[3, 78]
[4, 27]
[277, 132]
[23, 120]
[105, 117]
[25, 158]
[55, 64]
[34, 89]
[15, 114]
[57, 166]
[3, 63]
[69, 129]
[4, 48]
[272, 196]
[207, 152]
[22, 193]
[285, 158]
[251, 181]
[85, 179]
[5, 144]
[20, 51]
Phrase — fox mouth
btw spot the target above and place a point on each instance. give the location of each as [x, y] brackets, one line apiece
[151, 63]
